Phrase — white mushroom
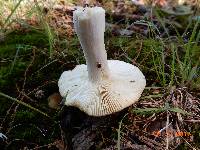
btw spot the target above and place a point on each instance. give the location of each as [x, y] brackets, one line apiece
[102, 86]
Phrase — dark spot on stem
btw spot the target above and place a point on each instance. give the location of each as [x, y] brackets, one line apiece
[98, 65]
[132, 81]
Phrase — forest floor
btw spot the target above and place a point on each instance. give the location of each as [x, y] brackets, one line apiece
[38, 43]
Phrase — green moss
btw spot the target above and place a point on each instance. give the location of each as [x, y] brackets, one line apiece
[32, 38]
[25, 115]
[12, 71]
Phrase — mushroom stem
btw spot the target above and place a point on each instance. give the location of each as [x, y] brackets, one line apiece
[89, 25]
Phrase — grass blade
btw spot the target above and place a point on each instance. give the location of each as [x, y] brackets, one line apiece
[25, 104]
[12, 12]
[119, 132]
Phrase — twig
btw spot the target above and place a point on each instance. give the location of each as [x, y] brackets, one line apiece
[25, 73]
[193, 121]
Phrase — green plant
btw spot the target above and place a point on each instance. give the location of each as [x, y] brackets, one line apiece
[119, 133]
[48, 31]
[8, 20]
[23, 103]
[180, 65]
[149, 111]
[188, 66]
[159, 63]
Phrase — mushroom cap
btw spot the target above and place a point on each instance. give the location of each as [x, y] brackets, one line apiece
[123, 88]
